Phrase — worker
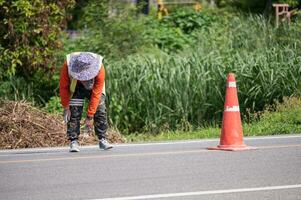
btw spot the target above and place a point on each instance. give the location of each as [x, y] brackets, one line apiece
[83, 76]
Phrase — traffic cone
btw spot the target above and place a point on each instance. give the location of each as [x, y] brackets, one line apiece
[231, 134]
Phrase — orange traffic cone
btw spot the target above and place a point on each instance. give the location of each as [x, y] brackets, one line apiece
[231, 133]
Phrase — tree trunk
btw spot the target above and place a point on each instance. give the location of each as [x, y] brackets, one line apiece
[268, 8]
[143, 6]
[212, 3]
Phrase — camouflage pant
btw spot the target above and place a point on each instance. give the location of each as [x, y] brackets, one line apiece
[76, 108]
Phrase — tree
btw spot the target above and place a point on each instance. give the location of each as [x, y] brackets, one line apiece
[29, 34]
[268, 7]
[89, 14]
[257, 5]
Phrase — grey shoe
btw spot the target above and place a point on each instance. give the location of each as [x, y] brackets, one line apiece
[74, 146]
[104, 144]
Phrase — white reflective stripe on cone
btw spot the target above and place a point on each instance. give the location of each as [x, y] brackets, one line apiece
[232, 109]
[232, 84]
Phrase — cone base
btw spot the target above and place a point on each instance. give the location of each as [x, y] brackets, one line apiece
[231, 148]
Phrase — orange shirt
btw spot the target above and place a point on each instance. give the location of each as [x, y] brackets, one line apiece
[96, 91]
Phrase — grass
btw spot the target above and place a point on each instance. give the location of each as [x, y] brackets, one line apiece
[150, 92]
[144, 91]
[283, 118]
[175, 135]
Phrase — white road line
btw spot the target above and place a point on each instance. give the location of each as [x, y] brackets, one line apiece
[54, 149]
[207, 140]
[272, 137]
[199, 193]
[161, 153]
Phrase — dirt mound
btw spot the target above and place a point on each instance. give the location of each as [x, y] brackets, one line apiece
[24, 126]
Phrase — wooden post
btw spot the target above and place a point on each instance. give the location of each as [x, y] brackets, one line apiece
[281, 12]
[277, 16]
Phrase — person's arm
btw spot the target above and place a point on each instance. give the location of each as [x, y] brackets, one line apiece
[64, 86]
[96, 92]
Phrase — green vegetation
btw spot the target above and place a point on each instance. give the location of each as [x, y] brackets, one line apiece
[283, 118]
[29, 37]
[151, 93]
[165, 78]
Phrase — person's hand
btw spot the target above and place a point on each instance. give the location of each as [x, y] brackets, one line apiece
[67, 115]
[88, 124]
[88, 127]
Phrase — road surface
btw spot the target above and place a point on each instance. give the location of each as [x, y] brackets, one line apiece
[167, 170]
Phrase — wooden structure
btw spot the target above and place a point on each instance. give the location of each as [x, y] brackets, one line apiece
[163, 6]
[282, 13]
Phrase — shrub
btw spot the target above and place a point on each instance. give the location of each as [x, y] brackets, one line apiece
[29, 33]
[54, 105]
[282, 118]
[115, 37]
[176, 32]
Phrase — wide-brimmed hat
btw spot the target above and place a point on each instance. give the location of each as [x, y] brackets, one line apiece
[83, 66]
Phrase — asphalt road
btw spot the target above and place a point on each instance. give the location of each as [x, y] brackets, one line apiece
[171, 170]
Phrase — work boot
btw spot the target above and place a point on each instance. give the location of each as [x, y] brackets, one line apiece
[74, 146]
[104, 144]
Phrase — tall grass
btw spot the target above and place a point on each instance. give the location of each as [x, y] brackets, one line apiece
[17, 89]
[155, 93]
[281, 118]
